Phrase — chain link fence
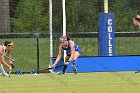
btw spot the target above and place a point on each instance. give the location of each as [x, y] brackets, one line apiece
[32, 16]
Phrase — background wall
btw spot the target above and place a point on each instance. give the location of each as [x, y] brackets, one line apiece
[105, 64]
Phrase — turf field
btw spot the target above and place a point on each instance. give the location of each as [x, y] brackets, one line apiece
[101, 82]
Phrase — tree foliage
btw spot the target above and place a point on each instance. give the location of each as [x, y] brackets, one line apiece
[30, 16]
[82, 15]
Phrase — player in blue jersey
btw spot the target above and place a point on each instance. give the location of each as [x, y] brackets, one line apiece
[72, 53]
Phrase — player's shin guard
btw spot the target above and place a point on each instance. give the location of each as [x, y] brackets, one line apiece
[74, 62]
[2, 70]
[65, 67]
[74, 65]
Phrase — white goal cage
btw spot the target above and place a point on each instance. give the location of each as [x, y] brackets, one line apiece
[64, 23]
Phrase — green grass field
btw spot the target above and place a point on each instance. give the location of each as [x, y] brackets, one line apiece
[99, 82]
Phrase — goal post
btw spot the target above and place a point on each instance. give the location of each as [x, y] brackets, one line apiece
[50, 29]
[106, 32]
[50, 26]
[64, 21]
[105, 6]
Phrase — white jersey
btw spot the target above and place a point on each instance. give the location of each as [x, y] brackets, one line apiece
[4, 49]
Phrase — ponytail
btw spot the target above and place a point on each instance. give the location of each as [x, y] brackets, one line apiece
[68, 37]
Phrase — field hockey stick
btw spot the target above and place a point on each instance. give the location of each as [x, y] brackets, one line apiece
[7, 57]
[50, 68]
[9, 73]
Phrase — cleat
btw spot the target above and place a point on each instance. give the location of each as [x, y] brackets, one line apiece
[74, 69]
[4, 74]
[138, 72]
[60, 73]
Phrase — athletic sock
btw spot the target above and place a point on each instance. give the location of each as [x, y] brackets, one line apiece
[64, 69]
[74, 63]
[74, 66]
[2, 69]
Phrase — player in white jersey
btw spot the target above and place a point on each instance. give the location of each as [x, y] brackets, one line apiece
[136, 20]
[5, 49]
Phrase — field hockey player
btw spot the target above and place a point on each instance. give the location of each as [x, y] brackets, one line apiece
[6, 49]
[72, 53]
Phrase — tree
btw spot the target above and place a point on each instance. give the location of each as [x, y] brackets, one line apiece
[31, 17]
[4, 16]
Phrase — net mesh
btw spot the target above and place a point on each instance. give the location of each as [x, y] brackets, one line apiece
[82, 16]
[32, 16]
[27, 56]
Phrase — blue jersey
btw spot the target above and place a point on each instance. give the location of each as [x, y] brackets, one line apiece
[68, 49]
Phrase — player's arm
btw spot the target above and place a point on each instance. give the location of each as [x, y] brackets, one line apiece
[72, 50]
[4, 63]
[10, 61]
[59, 56]
[9, 55]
